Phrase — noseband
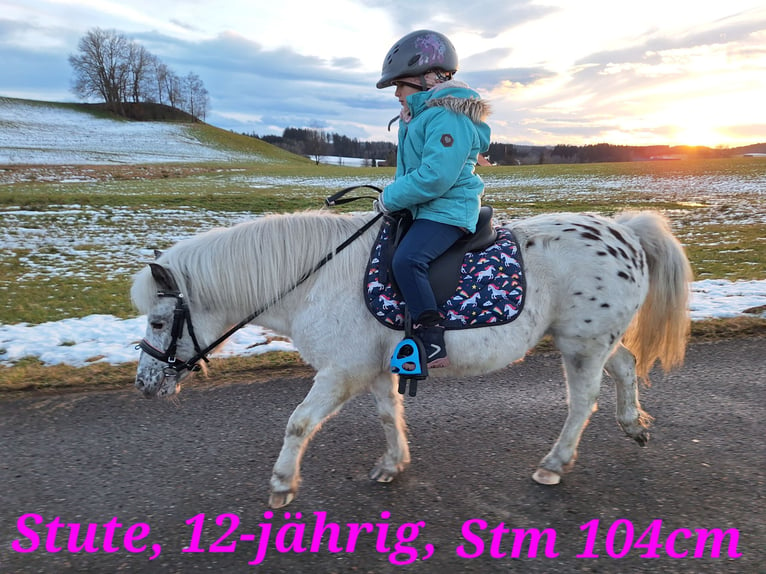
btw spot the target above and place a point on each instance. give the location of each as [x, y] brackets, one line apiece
[181, 316]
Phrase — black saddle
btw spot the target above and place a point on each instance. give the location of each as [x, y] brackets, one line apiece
[444, 272]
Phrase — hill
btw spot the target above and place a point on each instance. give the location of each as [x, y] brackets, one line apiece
[49, 133]
[144, 111]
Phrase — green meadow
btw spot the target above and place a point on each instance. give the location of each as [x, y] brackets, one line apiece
[73, 236]
[73, 239]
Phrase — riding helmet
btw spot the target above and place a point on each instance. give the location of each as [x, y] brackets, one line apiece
[416, 54]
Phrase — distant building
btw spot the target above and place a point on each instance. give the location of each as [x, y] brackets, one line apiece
[349, 161]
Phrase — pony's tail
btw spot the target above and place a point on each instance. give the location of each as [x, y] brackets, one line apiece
[660, 329]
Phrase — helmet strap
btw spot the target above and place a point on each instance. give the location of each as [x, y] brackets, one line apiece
[434, 77]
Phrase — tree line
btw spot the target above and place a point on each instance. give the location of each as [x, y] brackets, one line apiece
[604, 152]
[510, 154]
[120, 71]
[315, 143]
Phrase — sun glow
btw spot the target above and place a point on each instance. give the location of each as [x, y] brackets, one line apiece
[698, 135]
[701, 118]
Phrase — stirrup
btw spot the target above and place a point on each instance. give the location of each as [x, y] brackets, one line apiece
[408, 361]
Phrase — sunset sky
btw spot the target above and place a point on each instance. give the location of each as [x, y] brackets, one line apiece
[555, 71]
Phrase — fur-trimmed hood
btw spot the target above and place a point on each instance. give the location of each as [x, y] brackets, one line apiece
[453, 95]
[459, 97]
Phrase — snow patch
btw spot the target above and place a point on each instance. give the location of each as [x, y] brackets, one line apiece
[108, 339]
[42, 134]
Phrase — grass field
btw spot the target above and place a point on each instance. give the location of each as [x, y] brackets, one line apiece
[73, 236]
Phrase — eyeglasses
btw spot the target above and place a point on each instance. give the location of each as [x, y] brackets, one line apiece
[400, 83]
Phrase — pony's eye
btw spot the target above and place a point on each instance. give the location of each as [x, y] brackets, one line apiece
[157, 326]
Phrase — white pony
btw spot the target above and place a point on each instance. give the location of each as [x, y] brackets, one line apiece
[612, 293]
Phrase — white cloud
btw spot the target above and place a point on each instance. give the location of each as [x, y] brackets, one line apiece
[620, 68]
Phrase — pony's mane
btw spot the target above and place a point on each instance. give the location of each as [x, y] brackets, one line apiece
[249, 264]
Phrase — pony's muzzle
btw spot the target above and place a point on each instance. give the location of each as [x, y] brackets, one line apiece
[146, 390]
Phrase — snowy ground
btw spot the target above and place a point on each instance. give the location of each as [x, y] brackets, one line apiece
[104, 338]
[47, 135]
[50, 135]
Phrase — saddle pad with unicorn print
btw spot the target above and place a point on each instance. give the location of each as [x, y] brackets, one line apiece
[490, 291]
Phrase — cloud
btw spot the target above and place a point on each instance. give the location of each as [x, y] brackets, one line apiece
[185, 25]
[267, 69]
[645, 88]
[729, 31]
[349, 62]
[752, 132]
[34, 37]
[232, 53]
[480, 71]
[490, 79]
[486, 18]
[261, 90]
[49, 78]
[12, 29]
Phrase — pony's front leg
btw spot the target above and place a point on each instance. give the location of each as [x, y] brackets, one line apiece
[331, 389]
[583, 377]
[391, 411]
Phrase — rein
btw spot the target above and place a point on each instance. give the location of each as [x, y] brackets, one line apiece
[182, 315]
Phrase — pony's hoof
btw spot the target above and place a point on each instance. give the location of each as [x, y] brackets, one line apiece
[280, 499]
[642, 438]
[380, 474]
[547, 477]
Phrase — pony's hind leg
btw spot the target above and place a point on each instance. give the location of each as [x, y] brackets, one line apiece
[621, 366]
[583, 369]
[330, 391]
[391, 411]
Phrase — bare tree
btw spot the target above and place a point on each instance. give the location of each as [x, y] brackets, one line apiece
[203, 101]
[316, 144]
[173, 89]
[119, 70]
[139, 68]
[101, 67]
[196, 95]
[159, 77]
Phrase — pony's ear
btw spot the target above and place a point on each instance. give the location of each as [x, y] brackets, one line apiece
[157, 253]
[163, 277]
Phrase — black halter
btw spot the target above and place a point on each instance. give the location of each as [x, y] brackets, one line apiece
[181, 316]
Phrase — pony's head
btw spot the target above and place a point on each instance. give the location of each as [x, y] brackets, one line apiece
[170, 348]
[200, 287]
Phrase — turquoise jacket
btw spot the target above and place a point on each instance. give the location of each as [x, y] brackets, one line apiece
[437, 153]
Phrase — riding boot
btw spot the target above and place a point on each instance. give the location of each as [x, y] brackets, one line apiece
[431, 334]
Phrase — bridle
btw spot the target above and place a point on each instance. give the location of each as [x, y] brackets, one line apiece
[182, 315]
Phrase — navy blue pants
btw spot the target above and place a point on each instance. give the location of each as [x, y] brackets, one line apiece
[423, 243]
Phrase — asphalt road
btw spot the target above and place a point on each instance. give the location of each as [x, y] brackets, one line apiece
[142, 472]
